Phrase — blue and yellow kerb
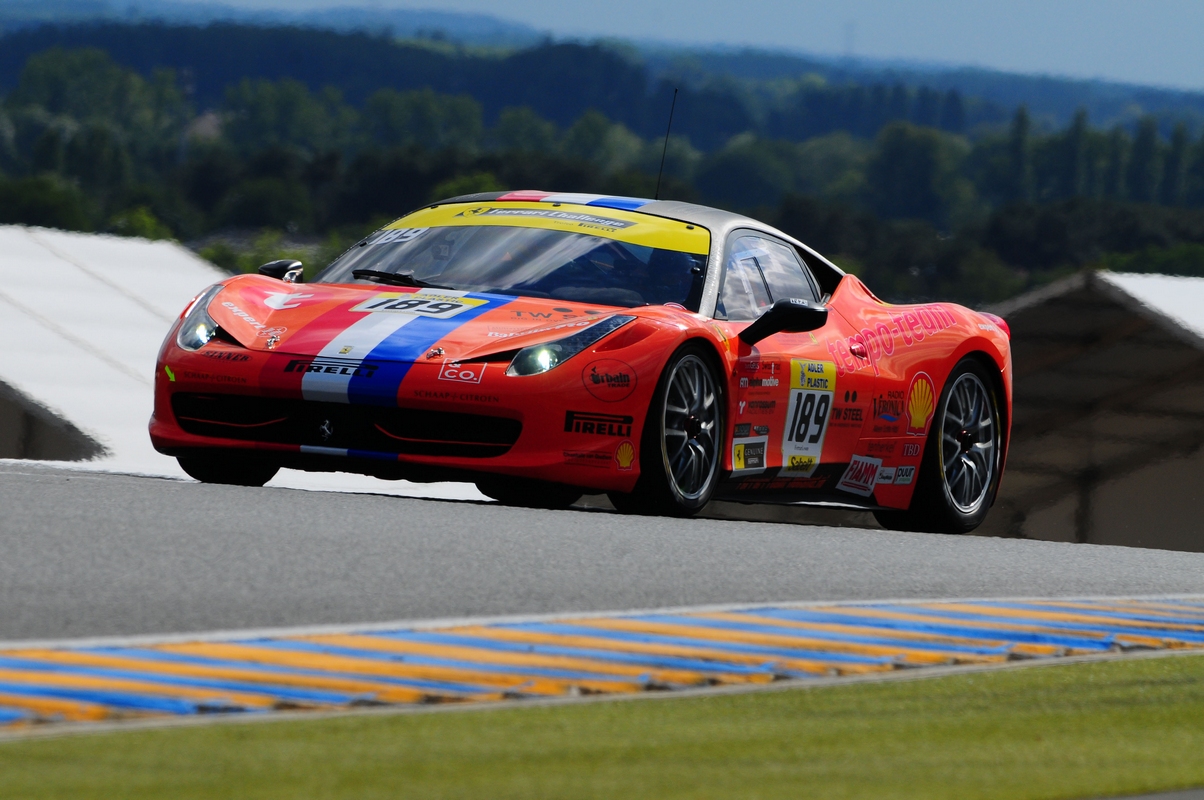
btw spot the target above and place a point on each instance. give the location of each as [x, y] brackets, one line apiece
[623, 653]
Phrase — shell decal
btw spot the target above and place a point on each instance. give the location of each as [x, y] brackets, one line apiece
[625, 454]
[921, 402]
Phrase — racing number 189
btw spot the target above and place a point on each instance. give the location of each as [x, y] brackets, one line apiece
[416, 305]
[810, 416]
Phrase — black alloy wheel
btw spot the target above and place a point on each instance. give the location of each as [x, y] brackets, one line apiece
[962, 463]
[231, 470]
[681, 450]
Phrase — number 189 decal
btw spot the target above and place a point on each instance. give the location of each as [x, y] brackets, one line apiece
[812, 385]
[422, 303]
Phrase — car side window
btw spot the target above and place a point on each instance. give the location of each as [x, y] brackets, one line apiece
[744, 296]
[784, 272]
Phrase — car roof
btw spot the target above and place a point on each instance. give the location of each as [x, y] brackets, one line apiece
[717, 221]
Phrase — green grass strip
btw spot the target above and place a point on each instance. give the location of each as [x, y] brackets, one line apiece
[1065, 731]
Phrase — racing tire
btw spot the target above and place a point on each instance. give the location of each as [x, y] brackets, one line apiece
[229, 471]
[528, 493]
[963, 460]
[681, 450]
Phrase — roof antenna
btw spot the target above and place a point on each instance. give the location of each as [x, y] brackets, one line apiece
[657, 196]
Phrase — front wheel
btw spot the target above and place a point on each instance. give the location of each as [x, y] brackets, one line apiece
[680, 452]
[231, 470]
[962, 463]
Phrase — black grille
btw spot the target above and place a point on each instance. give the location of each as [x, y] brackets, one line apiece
[350, 427]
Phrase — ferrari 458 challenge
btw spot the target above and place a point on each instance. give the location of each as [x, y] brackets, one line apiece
[545, 346]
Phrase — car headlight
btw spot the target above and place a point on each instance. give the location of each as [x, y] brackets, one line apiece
[543, 357]
[198, 327]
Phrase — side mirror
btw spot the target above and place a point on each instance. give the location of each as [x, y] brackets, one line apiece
[785, 316]
[286, 269]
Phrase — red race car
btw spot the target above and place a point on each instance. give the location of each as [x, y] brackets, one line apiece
[544, 346]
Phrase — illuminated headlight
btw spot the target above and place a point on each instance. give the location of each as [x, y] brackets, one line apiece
[198, 327]
[543, 357]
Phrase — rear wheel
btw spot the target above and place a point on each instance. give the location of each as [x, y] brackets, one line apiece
[527, 493]
[680, 452]
[962, 460]
[228, 470]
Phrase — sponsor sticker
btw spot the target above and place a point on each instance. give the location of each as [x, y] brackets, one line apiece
[225, 355]
[921, 403]
[861, 476]
[886, 475]
[332, 366]
[748, 455]
[439, 304]
[911, 449]
[282, 300]
[588, 458]
[812, 388]
[582, 220]
[592, 424]
[396, 236]
[454, 371]
[625, 455]
[904, 475]
[609, 380]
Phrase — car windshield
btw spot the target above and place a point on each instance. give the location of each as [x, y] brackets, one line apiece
[528, 262]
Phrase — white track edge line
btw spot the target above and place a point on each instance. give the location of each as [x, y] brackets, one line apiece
[514, 619]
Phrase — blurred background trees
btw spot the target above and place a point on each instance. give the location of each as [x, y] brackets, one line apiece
[926, 192]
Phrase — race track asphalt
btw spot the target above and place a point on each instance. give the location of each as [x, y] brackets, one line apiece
[90, 554]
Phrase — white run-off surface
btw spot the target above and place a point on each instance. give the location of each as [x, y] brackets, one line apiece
[81, 320]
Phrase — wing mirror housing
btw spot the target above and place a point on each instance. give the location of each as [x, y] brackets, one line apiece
[286, 269]
[790, 315]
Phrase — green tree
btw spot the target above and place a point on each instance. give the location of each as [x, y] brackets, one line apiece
[914, 173]
[1145, 163]
[98, 157]
[596, 139]
[953, 112]
[1115, 162]
[1073, 172]
[424, 117]
[1020, 163]
[1174, 174]
[260, 113]
[87, 86]
[44, 200]
[521, 130]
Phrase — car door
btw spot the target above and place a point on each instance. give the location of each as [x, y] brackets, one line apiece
[796, 421]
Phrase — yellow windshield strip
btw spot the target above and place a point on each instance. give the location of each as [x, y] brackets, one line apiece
[609, 223]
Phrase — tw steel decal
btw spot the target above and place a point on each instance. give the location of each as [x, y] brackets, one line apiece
[908, 327]
[592, 424]
[812, 387]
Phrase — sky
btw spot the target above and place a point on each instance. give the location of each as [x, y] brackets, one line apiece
[1156, 42]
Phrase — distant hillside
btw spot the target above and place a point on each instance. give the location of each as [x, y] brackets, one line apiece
[473, 29]
[1052, 101]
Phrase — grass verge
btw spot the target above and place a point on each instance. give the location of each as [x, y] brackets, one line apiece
[1064, 731]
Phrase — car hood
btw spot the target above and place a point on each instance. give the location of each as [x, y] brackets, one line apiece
[392, 323]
